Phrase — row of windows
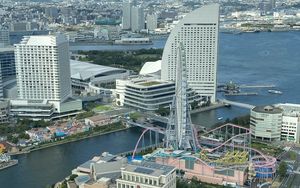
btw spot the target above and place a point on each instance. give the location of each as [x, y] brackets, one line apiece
[140, 179]
[289, 123]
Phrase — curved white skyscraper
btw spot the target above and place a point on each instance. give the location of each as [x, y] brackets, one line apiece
[198, 32]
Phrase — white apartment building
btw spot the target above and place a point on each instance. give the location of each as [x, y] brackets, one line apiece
[147, 175]
[137, 19]
[43, 69]
[151, 22]
[198, 31]
[265, 122]
[290, 129]
[43, 79]
[126, 19]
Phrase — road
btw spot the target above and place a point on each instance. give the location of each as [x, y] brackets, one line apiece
[292, 180]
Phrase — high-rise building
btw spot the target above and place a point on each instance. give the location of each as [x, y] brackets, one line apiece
[126, 19]
[198, 32]
[151, 22]
[273, 4]
[7, 67]
[43, 68]
[137, 19]
[4, 38]
[51, 12]
[7, 62]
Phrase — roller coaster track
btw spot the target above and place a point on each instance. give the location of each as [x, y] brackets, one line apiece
[268, 161]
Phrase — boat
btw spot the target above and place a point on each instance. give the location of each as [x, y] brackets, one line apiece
[274, 91]
[220, 118]
[6, 161]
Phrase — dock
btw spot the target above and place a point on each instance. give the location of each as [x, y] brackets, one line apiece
[258, 86]
[241, 94]
[8, 164]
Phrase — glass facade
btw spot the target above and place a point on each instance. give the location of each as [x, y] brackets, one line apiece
[7, 62]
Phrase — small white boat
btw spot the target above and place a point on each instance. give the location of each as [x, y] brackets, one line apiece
[274, 91]
[220, 118]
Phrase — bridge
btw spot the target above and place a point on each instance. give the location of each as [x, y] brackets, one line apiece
[238, 104]
[146, 125]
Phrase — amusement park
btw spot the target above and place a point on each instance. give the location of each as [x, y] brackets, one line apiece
[222, 156]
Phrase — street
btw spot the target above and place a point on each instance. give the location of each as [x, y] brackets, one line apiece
[292, 180]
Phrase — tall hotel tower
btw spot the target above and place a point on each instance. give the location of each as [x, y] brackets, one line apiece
[43, 69]
[126, 19]
[198, 32]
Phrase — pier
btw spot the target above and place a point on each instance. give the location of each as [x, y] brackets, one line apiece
[257, 86]
[238, 104]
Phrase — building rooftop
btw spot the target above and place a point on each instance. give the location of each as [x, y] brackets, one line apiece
[83, 70]
[7, 49]
[267, 109]
[151, 68]
[98, 118]
[150, 83]
[43, 40]
[149, 168]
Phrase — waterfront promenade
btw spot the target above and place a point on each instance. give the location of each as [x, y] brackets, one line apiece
[64, 141]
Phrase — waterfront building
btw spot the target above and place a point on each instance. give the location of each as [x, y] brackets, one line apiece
[290, 129]
[147, 93]
[4, 38]
[44, 109]
[147, 174]
[265, 122]
[198, 32]
[92, 78]
[126, 19]
[43, 78]
[137, 19]
[151, 22]
[127, 41]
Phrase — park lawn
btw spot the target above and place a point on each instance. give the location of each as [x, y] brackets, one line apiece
[102, 108]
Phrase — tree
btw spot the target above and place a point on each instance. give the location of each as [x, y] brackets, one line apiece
[194, 104]
[292, 155]
[24, 136]
[282, 170]
[163, 111]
